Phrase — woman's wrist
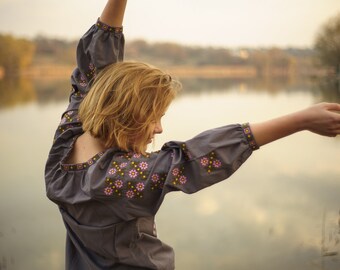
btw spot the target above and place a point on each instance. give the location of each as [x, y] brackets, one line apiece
[299, 121]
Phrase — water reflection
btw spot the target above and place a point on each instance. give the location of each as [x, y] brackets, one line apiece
[23, 90]
[279, 211]
[327, 89]
[16, 91]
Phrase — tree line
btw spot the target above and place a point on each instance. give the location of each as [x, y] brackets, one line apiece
[17, 54]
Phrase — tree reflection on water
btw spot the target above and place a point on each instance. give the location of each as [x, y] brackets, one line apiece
[18, 91]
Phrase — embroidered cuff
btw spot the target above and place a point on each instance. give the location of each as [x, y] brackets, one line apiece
[250, 137]
[108, 28]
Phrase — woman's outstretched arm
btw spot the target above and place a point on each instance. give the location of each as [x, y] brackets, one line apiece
[322, 119]
[113, 13]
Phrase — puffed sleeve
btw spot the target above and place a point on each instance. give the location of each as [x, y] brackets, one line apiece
[208, 158]
[137, 184]
[100, 46]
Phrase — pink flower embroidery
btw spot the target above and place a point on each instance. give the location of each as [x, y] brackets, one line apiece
[217, 163]
[118, 184]
[155, 177]
[130, 194]
[91, 66]
[183, 179]
[140, 186]
[112, 171]
[133, 173]
[108, 191]
[136, 155]
[175, 172]
[143, 165]
[82, 80]
[204, 161]
[123, 165]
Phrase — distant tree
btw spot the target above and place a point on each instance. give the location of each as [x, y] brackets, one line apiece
[55, 51]
[15, 54]
[272, 62]
[327, 43]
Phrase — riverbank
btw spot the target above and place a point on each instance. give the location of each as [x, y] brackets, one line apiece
[61, 71]
[50, 71]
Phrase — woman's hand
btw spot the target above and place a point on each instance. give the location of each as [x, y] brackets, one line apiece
[322, 119]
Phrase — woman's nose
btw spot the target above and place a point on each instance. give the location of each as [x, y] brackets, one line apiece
[158, 128]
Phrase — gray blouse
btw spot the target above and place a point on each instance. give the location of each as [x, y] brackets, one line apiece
[108, 203]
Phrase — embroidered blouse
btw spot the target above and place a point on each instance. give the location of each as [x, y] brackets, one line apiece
[108, 203]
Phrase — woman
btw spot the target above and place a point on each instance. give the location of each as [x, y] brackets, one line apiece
[107, 187]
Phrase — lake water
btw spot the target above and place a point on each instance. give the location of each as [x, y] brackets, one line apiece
[281, 210]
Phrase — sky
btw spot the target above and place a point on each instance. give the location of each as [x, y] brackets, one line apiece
[225, 23]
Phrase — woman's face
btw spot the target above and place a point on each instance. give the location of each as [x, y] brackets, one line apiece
[156, 128]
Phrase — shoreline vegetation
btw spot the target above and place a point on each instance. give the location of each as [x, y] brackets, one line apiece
[45, 58]
[40, 69]
[61, 71]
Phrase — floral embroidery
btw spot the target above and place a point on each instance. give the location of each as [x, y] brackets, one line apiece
[250, 137]
[210, 162]
[81, 166]
[187, 155]
[113, 188]
[175, 172]
[91, 72]
[178, 177]
[133, 173]
[140, 186]
[204, 161]
[112, 171]
[130, 194]
[182, 179]
[118, 184]
[158, 181]
[69, 120]
[67, 117]
[143, 165]
[133, 191]
[79, 94]
[217, 163]
[63, 128]
[155, 177]
[127, 177]
[108, 28]
[82, 81]
[108, 190]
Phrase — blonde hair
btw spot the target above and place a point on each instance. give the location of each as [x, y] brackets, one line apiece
[125, 98]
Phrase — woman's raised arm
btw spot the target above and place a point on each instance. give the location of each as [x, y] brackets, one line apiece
[113, 13]
[322, 119]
